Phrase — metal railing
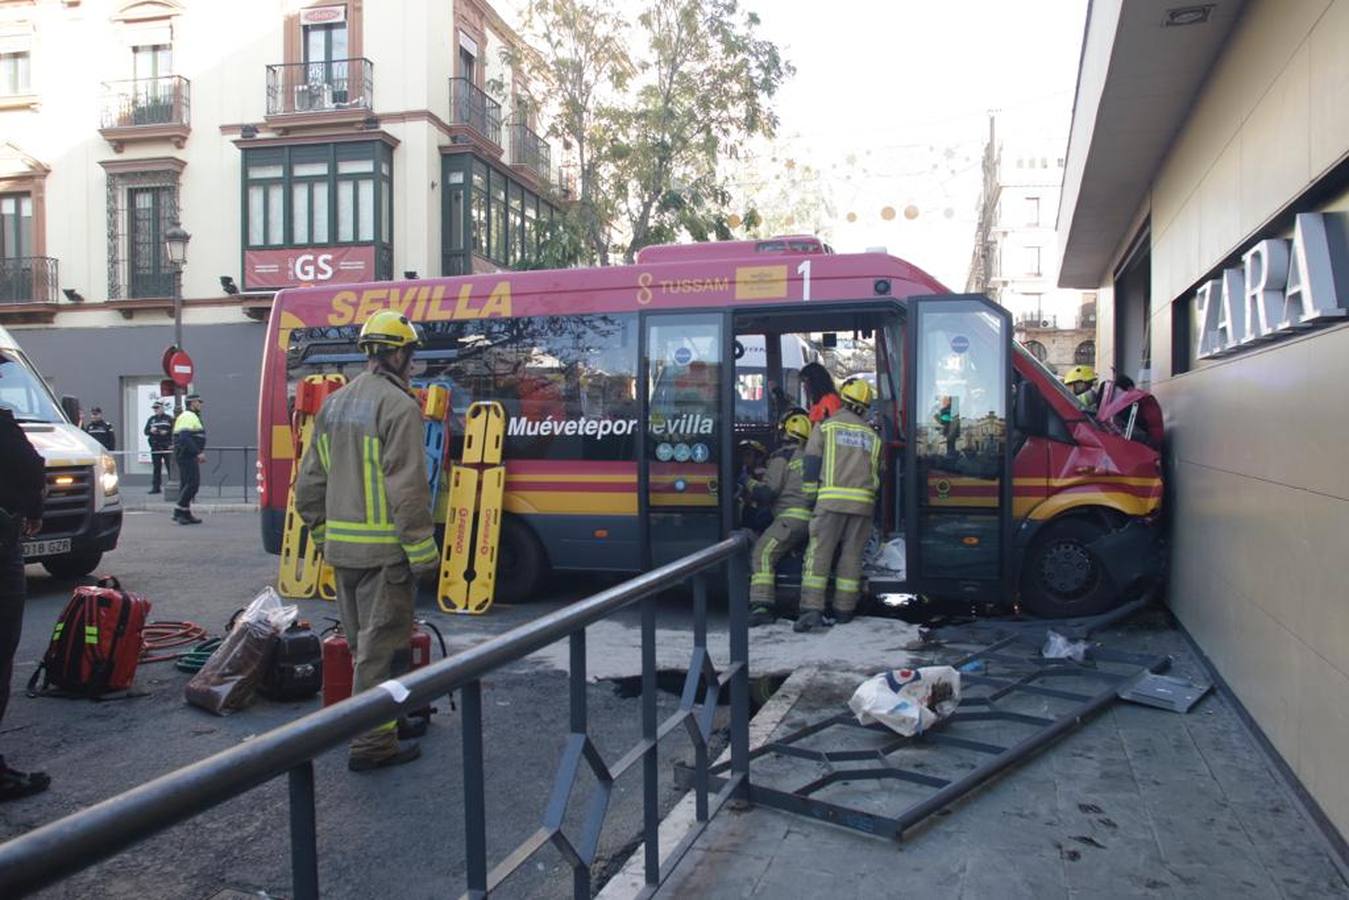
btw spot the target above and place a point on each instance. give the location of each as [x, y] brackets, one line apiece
[28, 279]
[146, 101]
[220, 470]
[529, 151]
[472, 106]
[321, 86]
[61, 848]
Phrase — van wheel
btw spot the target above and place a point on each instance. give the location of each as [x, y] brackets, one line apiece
[521, 563]
[73, 565]
[1062, 578]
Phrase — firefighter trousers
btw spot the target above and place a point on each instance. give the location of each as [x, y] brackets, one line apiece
[830, 531]
[376, 606]
[776, 542]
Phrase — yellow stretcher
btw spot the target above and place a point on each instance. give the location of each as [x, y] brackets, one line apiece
[466, 588]
[303, 572]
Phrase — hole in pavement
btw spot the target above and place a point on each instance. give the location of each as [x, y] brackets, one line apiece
[671, 681]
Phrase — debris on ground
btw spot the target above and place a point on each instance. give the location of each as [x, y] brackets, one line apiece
[907, 701]
[1059, 647]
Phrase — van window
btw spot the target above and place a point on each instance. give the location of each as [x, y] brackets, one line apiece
[23, 394]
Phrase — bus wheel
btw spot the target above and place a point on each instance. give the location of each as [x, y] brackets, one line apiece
[1062, 578]
[72, 565]
[521, 563]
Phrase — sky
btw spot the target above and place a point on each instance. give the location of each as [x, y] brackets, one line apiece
[889, 109]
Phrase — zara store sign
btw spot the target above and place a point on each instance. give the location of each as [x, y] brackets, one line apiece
[1280, 288]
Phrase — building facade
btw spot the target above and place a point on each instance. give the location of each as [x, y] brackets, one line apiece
[1016, 253]
[298, 142]
[1206, 200]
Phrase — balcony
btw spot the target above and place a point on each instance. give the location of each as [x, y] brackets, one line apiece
[335, 89]
[530, 153]
[471, 107]
[28, 288]
[146, 109]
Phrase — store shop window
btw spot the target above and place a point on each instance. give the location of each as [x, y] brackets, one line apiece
[1133, 292]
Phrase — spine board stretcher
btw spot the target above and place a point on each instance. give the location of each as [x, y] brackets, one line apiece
[473, 523]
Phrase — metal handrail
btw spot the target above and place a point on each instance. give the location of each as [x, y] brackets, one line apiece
[472, 106]
[146, 101]
[247, 477]
[320, 86]
[28, 279]
[60, 849]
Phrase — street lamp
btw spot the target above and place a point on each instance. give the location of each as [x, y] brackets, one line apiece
[175, 245]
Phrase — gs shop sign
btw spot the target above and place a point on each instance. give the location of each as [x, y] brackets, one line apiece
[307, 266]
[1280, 288]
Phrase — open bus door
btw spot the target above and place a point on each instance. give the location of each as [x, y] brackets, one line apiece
[958, 460]
[685, 468]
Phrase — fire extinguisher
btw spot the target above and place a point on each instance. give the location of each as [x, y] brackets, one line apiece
[339, 667]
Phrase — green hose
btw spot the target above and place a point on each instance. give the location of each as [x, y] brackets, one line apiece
[195, 658]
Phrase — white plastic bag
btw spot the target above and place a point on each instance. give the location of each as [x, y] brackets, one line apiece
[907, 701]
[886, 558]
[228, 681]
[1059, 647]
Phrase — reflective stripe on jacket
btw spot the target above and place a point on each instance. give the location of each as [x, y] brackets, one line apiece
[362, 488]
[843, 457]
[782, 484]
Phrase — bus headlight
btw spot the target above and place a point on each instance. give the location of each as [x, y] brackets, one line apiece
[109, 466]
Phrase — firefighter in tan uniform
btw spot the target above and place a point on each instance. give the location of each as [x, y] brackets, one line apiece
[782, 487]
[842, 463]
[363, 492]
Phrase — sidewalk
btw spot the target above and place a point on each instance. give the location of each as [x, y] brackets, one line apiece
[1138, 801]
[210, 499]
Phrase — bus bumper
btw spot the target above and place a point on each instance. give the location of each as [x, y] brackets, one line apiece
[273, 523]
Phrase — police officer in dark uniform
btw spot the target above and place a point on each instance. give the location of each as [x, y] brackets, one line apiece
[100, 429]
[159, 432]
[21, 492]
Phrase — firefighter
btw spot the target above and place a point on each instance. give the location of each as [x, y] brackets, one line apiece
[751, 456]
[1081, 380]
[841, 467]
[782, 487]
[362, 490]
[189, 447]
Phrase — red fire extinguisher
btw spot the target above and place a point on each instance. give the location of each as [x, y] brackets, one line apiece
[338, 666]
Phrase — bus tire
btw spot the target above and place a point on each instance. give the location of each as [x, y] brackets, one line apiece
[521, 563]
[1062, 578]
[73, 565]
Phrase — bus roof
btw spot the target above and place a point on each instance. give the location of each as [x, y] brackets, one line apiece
[710, 279]
[794, 244]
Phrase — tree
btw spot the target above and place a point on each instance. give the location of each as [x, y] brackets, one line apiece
[705, 88]
[577, 66]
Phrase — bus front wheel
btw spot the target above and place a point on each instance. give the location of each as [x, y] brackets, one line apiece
[521, 563]
[1062, 577]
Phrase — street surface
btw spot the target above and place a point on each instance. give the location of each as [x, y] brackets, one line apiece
[395, 832]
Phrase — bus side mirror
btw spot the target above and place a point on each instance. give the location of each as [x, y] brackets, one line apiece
[71, 407]
[1031, 412]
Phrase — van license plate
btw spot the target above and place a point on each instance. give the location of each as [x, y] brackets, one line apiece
[32, 549]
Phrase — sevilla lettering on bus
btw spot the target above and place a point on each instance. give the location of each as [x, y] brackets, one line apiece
[421, 303]
[683, 426]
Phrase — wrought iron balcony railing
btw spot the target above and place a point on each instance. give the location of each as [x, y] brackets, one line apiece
[321, 86]
[146, 101]
[529, 151]
[28, 279]
[470, 105]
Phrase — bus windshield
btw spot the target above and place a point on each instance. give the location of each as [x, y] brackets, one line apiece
[23, 393]
[1048, 373]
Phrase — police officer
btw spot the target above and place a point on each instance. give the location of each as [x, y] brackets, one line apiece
[100, 429]
[362, 490]
[159, 432]
[189, 447]
[20, 516]
[782, 487]
[842, 463]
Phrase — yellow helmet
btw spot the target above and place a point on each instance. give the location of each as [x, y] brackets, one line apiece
[856, 392]
[388, 330]
[1080, 373]
[796, 423]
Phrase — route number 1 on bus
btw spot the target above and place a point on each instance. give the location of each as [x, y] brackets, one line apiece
[804, 271]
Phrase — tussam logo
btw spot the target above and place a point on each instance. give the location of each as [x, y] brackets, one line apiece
[688, 425]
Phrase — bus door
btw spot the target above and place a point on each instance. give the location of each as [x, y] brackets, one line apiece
[958, 463]
[685, 440]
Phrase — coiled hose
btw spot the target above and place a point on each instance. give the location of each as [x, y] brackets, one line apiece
[158, 637]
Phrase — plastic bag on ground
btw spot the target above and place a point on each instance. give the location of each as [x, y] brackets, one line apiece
[887, 558]
[907, 701]
[229, 679]
[1059, 647]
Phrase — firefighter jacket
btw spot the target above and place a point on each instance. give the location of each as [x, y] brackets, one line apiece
[842, 464]
[189, 434]
[781, 484]
[159, 430]
[362, 488]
